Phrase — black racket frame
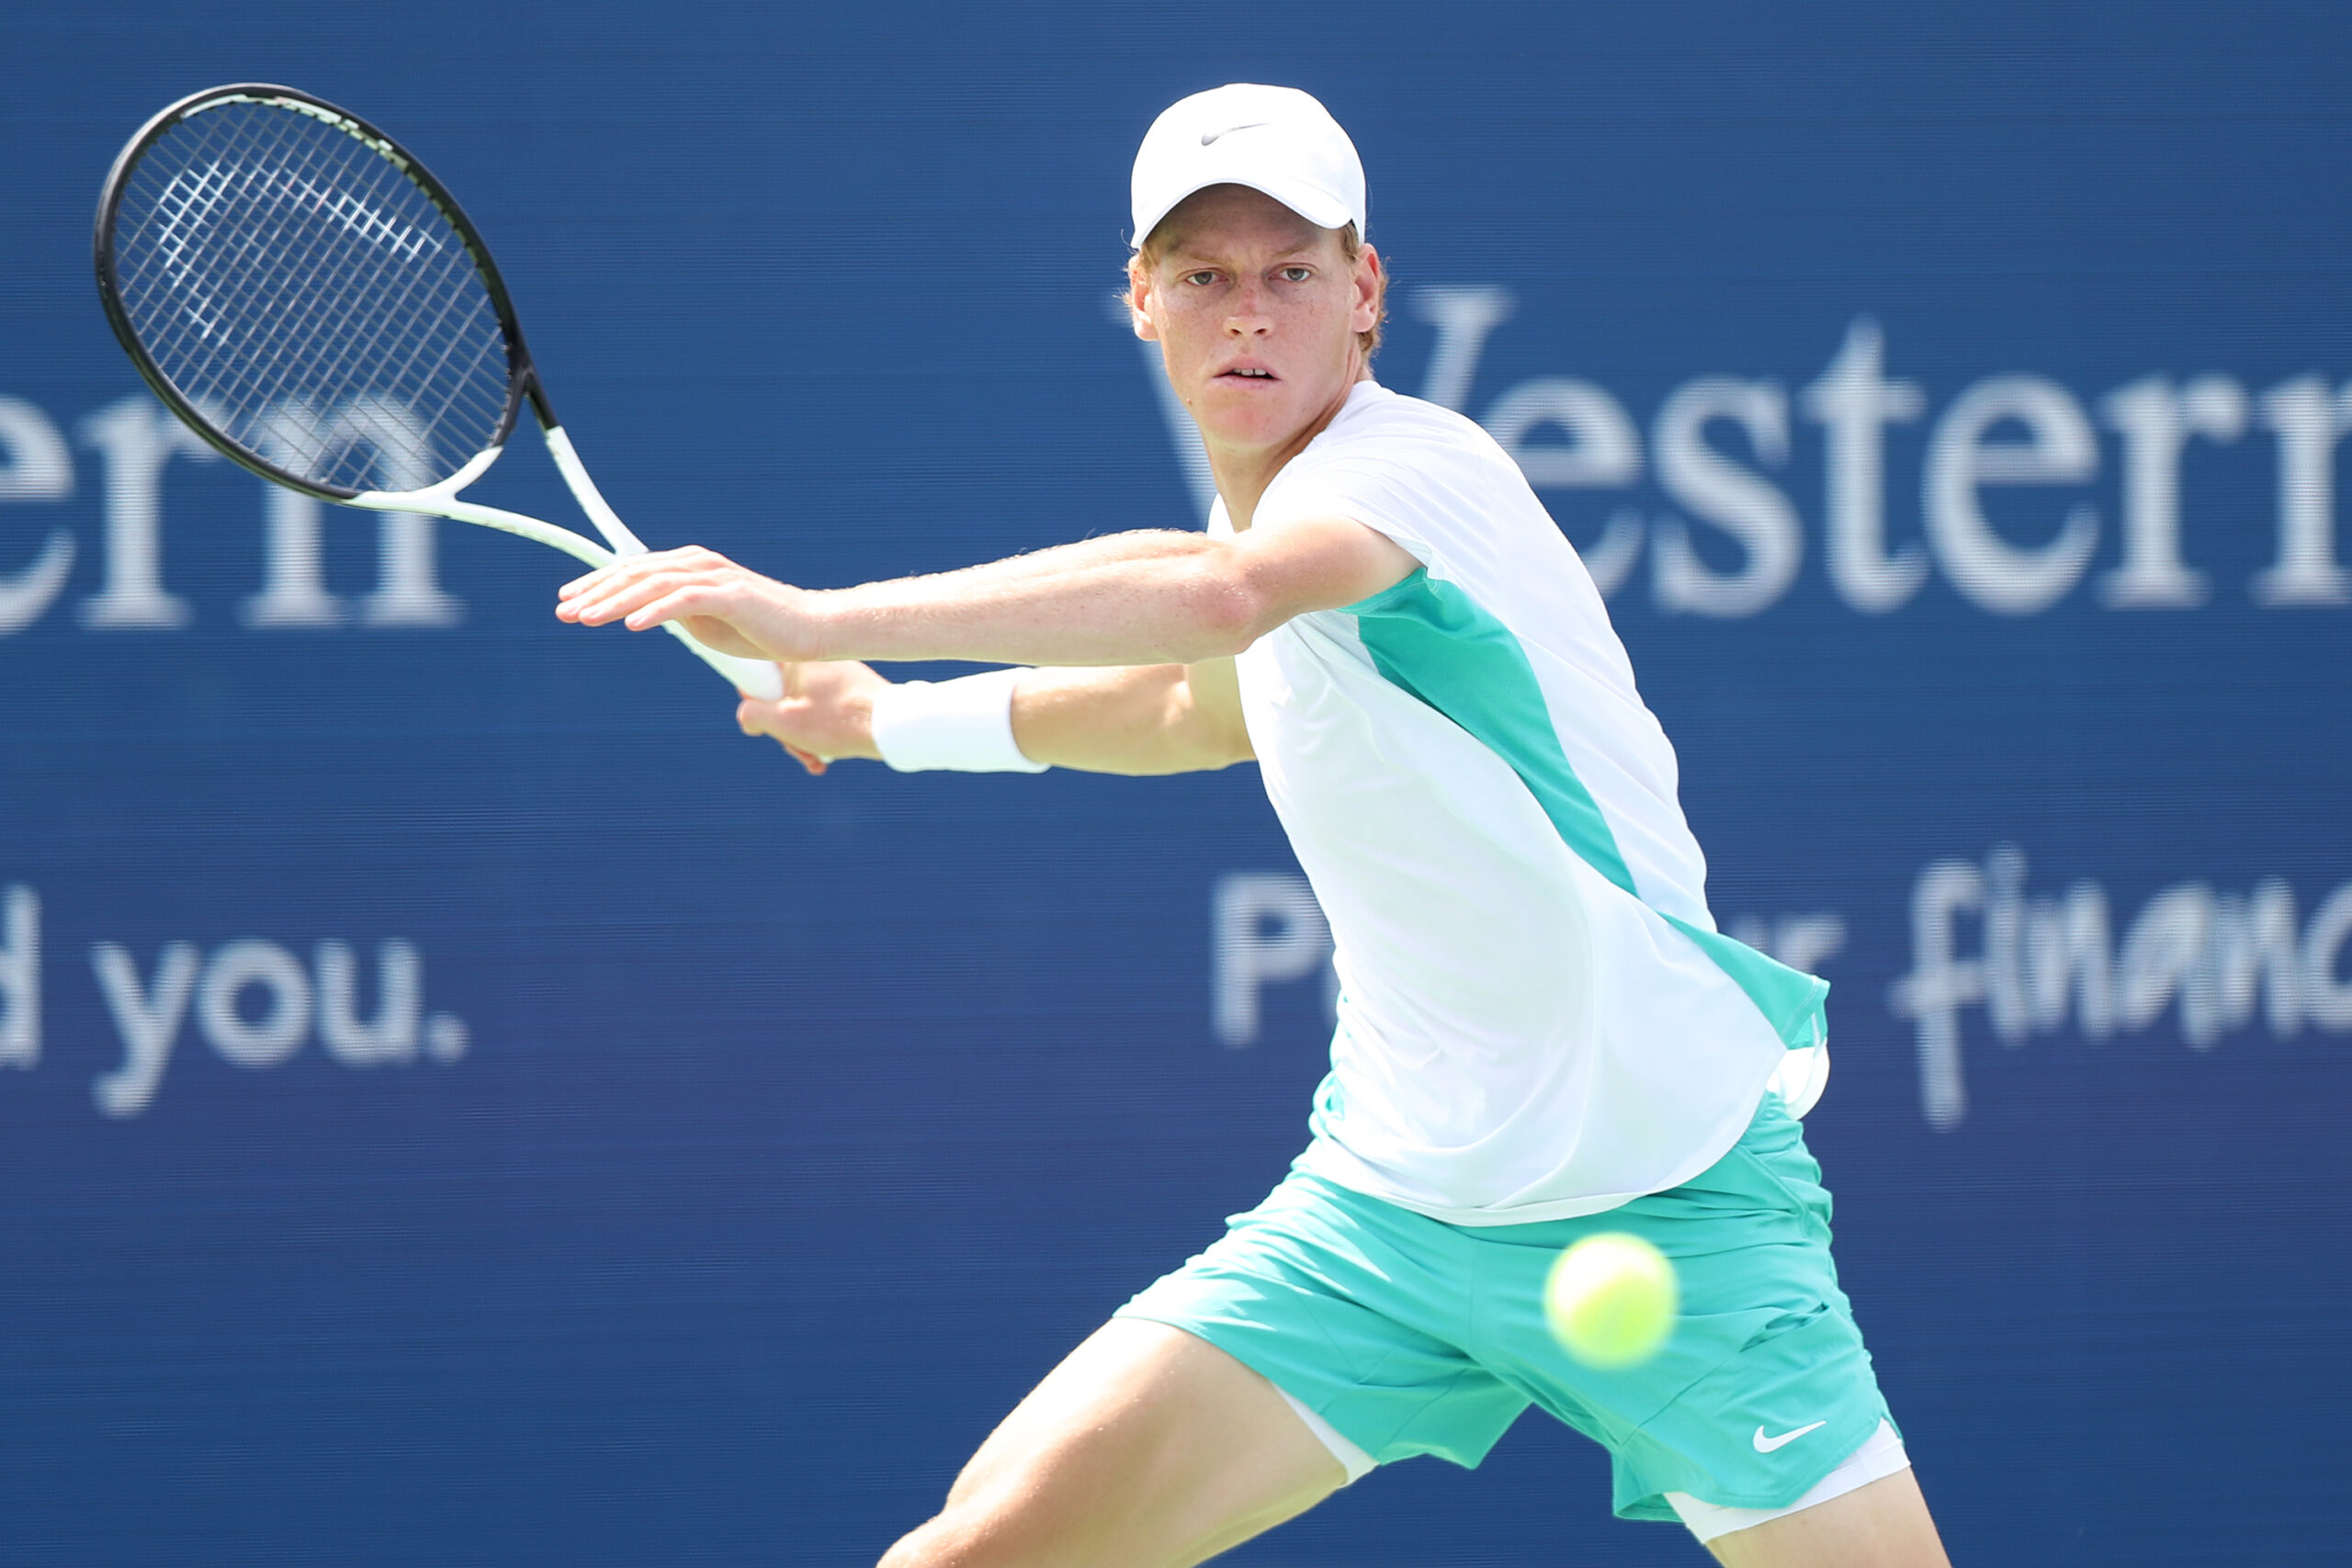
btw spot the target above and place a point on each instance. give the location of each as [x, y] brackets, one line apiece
[522, 376]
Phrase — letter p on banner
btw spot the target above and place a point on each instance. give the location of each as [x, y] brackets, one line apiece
[1264, 927]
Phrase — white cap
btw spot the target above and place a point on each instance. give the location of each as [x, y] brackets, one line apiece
[1276, 140]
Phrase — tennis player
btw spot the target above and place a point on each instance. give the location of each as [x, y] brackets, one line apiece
[1541, 1034]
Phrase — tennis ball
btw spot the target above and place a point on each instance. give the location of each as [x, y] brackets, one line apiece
[1611, 1300]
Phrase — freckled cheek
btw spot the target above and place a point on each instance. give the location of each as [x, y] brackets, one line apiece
[1194, 346]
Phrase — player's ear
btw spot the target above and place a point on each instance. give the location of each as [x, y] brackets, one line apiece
[1366, 314]
[1139, 300]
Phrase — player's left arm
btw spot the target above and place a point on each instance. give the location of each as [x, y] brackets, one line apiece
[1149, 598]
[1138, 721]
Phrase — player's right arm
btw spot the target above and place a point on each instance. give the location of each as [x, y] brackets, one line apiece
[1138, 721]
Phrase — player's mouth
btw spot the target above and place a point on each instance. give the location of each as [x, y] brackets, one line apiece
[1253, 373]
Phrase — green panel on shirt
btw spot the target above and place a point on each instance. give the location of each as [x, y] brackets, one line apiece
[1789, 998]
[1435, 642]
[1430, 638]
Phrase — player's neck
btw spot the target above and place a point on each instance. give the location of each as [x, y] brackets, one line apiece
[1243, 473]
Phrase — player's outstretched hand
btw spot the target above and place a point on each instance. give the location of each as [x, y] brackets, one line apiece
[729, 607]
[826, 713]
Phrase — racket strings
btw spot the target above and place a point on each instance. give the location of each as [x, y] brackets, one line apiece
[311, 300]
[335, 300]
[346, 307]
[240, 270]
[237, 270]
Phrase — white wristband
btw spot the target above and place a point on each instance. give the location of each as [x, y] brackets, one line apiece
[964, 724]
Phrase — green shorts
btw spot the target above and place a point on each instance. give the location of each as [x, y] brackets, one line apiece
[1410, 1336]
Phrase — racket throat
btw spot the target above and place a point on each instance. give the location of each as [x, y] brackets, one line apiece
[591, 500]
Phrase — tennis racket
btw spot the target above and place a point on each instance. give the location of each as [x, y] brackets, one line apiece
[297, 289]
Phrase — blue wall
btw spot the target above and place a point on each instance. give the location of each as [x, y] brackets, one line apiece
[753, 1142]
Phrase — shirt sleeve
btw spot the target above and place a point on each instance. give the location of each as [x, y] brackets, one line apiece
[1349, 480]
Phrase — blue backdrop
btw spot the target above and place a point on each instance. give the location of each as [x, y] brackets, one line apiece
[460, 1102]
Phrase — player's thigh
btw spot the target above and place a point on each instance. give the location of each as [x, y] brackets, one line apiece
[1147, 1448]
[1883, 1525]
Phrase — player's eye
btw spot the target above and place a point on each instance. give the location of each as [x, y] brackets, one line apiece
[1297, 274]
[1200, 280]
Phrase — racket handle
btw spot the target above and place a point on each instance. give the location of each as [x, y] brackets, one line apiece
[756, 676]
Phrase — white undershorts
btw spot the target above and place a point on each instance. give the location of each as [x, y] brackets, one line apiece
[1354, 1460]
[1880, 1456]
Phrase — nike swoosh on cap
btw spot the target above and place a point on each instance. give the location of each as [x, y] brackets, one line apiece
[1209, 137]
[1765, 1445]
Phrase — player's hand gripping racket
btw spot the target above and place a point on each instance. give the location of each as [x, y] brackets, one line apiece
[311, 301]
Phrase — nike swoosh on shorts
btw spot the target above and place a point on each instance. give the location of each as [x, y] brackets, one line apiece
[1765, 1445]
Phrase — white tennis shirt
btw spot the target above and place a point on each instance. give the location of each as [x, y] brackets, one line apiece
[1537, 1017]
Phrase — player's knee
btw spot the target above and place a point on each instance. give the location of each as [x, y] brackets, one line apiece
[954, 1539]
[909, 1551]
[975, 1532]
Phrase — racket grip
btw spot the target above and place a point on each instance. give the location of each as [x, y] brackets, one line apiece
[757, 676]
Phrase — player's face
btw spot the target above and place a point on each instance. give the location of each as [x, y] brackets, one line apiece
[1256, 312]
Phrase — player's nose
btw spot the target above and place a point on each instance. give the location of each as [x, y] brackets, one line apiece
[1247, 312]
